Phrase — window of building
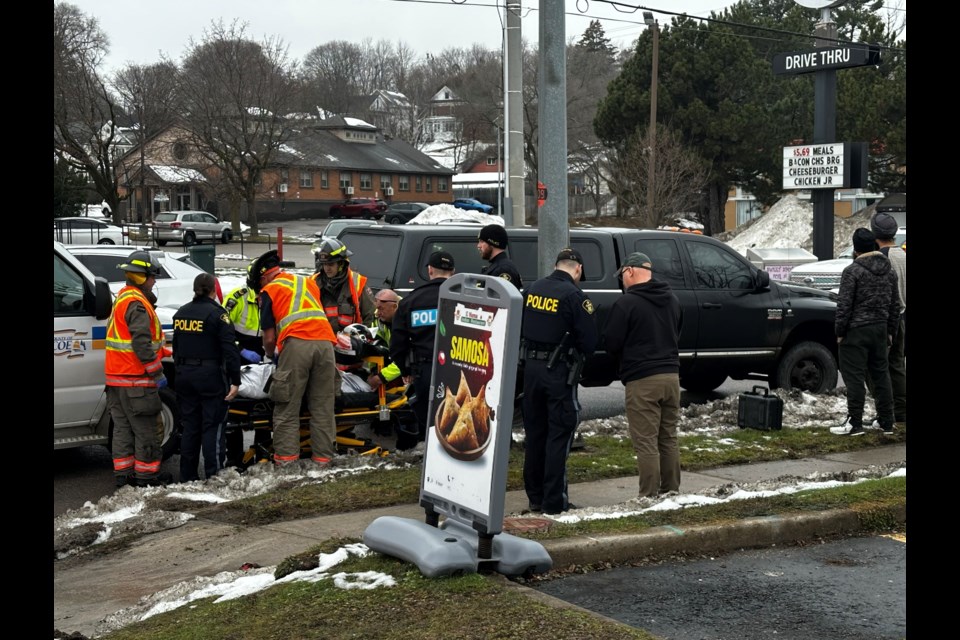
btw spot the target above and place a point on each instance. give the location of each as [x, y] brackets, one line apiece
[418, 184]
[428, 184]
[491, 161]
[442, 184]
[346, 179]
[366, 181]
[306, 180]
[324, 179]
[285, 175]
[179, 151]
[385, 182]
[404, 183]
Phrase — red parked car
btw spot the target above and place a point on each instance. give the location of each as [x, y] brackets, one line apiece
[368, 208]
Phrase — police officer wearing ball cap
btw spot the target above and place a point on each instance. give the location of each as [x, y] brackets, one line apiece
[491, 244]
[134, 374]
[558, 324]
[297, 335]
[208, 376]
[412, 340]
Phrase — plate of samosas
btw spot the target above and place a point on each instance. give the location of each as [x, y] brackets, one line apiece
[463, 422]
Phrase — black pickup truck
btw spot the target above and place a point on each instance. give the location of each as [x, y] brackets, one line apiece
[736, 322]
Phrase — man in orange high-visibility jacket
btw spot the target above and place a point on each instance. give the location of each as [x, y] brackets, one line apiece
[134, 372]
[297, 335]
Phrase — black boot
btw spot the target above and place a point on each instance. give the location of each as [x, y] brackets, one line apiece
[162, 479]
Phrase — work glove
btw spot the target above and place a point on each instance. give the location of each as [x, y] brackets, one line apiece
[250, 355]
[162, 382]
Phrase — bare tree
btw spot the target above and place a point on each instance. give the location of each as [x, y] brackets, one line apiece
[235, 94]
[150, 94]
[332, 74]
[84, 110]
[680, 176]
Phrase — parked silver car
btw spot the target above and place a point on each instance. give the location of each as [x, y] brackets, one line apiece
[83, 230]
[185, 227]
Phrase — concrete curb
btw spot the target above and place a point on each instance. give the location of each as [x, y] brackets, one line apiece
[730, 536]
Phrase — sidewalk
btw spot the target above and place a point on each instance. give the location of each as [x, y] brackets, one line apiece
[86, 591]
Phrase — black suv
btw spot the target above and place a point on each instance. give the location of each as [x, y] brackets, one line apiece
[736, 323]
[403, 212]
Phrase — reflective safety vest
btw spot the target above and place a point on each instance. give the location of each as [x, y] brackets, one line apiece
[123, 366]
[297, 310]
[357, 284]
[391, 371]
[241, 306]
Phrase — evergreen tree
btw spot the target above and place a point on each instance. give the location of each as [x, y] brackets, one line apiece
[595, 40]
[69, 189]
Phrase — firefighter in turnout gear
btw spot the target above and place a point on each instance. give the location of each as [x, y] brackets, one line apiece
[558, 332]
[134, 373]
[208, 376]
[298, 337]
[244, 313]
[344, 293]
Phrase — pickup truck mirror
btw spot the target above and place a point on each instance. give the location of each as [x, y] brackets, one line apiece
[103, 299]
[763, 279]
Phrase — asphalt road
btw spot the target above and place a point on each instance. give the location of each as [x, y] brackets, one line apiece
[851, 589]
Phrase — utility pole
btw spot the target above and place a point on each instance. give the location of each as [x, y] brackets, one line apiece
[552, 114]
[652, 166]
[514, 213]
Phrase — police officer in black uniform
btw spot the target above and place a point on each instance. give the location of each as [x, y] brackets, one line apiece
[208, 376]
[558, 332]
[411, 342]
[491, 243]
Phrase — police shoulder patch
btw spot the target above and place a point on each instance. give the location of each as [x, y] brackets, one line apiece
[588, 306]
[225, 319]
[505, 276]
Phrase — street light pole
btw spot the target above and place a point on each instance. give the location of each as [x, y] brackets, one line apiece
[652, 167]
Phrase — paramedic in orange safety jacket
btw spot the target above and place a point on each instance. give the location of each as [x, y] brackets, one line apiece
[134, 374]
[298, 337]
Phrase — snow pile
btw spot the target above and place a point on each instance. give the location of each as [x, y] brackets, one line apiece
[443, 213]
[789, 223]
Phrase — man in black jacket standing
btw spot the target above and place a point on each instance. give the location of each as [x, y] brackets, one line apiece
[643, 332]
[412, 340]
[868, 315]
[492, 244]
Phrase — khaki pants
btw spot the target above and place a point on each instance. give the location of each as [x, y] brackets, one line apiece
[307, 373]
[652, 406]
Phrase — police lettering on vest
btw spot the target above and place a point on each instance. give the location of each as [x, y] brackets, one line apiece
[185, 324]
[542, 303]
[423, 317]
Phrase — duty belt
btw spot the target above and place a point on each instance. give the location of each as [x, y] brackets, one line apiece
[536, 354]
[197, 361]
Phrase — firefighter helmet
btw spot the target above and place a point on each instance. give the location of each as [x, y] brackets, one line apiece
[332, 250]
[140, 262]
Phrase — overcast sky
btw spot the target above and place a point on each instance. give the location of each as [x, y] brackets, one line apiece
[139, 30]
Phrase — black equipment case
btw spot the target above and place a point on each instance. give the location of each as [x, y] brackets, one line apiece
[756, 410]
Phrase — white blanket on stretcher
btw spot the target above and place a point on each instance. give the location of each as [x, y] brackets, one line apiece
[254, 378]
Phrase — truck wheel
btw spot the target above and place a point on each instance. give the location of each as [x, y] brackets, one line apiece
[189, 239]
[226, 236]
[170, 413]
[702, 382]
[808, 366]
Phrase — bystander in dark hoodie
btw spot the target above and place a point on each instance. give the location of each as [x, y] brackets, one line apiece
[643, 333]
[868, 313]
